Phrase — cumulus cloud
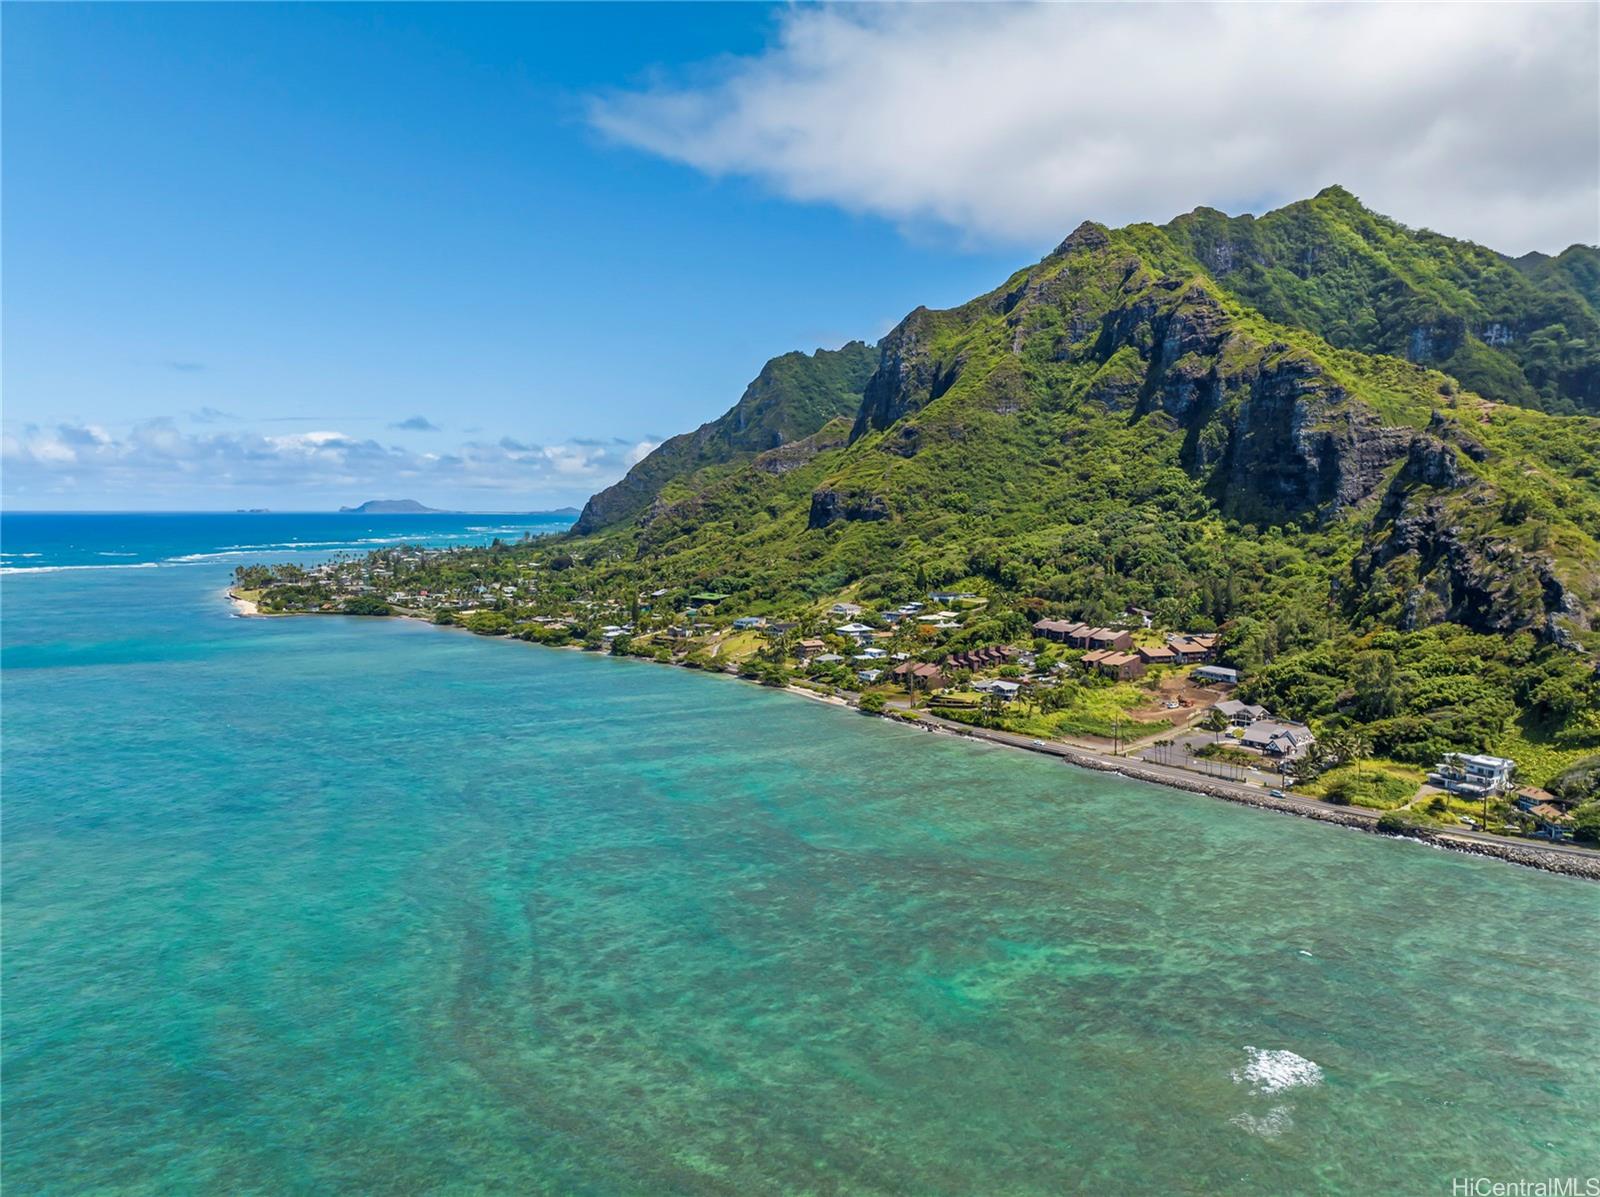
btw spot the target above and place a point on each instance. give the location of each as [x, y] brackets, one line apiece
[156, 458]
[416, 424]
[1011, 123]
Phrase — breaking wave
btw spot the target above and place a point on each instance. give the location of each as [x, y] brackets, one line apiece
[1272, 1071]
[53, 569]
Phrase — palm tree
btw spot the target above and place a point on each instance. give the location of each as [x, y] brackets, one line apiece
[1359, 749]
[1216, 723]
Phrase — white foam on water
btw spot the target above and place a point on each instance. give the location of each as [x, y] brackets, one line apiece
[53, 569]
[1269, 1126]
[1271, 1070]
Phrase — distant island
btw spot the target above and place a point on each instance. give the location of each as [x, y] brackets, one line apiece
[412, 507]
[391, 507]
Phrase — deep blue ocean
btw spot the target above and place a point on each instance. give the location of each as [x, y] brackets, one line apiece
[326, 905]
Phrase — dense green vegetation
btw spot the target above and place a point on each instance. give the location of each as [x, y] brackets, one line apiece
[1144, 419]
[1524, 331]
[792, 397]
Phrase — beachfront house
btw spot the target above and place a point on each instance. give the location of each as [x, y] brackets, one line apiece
[1468, 773]
[1283, 741]
[1550, 821]
[1000, 687]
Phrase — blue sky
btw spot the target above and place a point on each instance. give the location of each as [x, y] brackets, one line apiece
[484, 255]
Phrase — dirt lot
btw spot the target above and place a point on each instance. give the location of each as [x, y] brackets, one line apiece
[1179, 688]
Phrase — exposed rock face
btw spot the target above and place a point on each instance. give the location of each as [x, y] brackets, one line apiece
[1432, 463]
[796, 454]
[1272, 437]
[1486, 583]
[829, 506]
[907, 379]
[1087, 235]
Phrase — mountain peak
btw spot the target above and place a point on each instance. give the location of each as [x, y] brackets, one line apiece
[1087, 235]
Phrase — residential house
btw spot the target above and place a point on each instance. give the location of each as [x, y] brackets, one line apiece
[1216, 673]
[859, 632]
[809, 648]
[746, 623]
[1284, 741]
[1240, 714]
[871, 654]
[1124, 667]
[1158, 656]
[848, 610]
[827, 659]
[919, 676]
[1100, 638]
[1552, 822]
[868, 677]
[1058, 630]
[945, 597]
[1466, 773]
[981, 658]
[1000, 687]
[1189, 650]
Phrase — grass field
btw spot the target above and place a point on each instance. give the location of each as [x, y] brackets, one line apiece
[1376, 784]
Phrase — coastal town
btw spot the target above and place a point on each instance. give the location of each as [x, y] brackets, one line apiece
[1123, 689]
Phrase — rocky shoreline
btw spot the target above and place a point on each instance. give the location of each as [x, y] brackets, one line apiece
[1533, 856]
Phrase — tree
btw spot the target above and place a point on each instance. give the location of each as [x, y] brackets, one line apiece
[873, 703]
[1216, 723]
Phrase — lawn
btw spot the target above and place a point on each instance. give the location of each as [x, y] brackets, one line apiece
[1092, 711]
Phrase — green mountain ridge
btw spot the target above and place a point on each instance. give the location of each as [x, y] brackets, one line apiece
[1523, 331]
[1117, 391]
[792, 397]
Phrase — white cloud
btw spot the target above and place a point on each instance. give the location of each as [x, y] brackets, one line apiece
[156, 458]
[1012, 123]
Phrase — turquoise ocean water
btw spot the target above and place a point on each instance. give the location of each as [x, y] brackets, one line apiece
[323, 905]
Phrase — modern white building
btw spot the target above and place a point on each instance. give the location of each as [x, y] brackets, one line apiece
[1465, 773]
